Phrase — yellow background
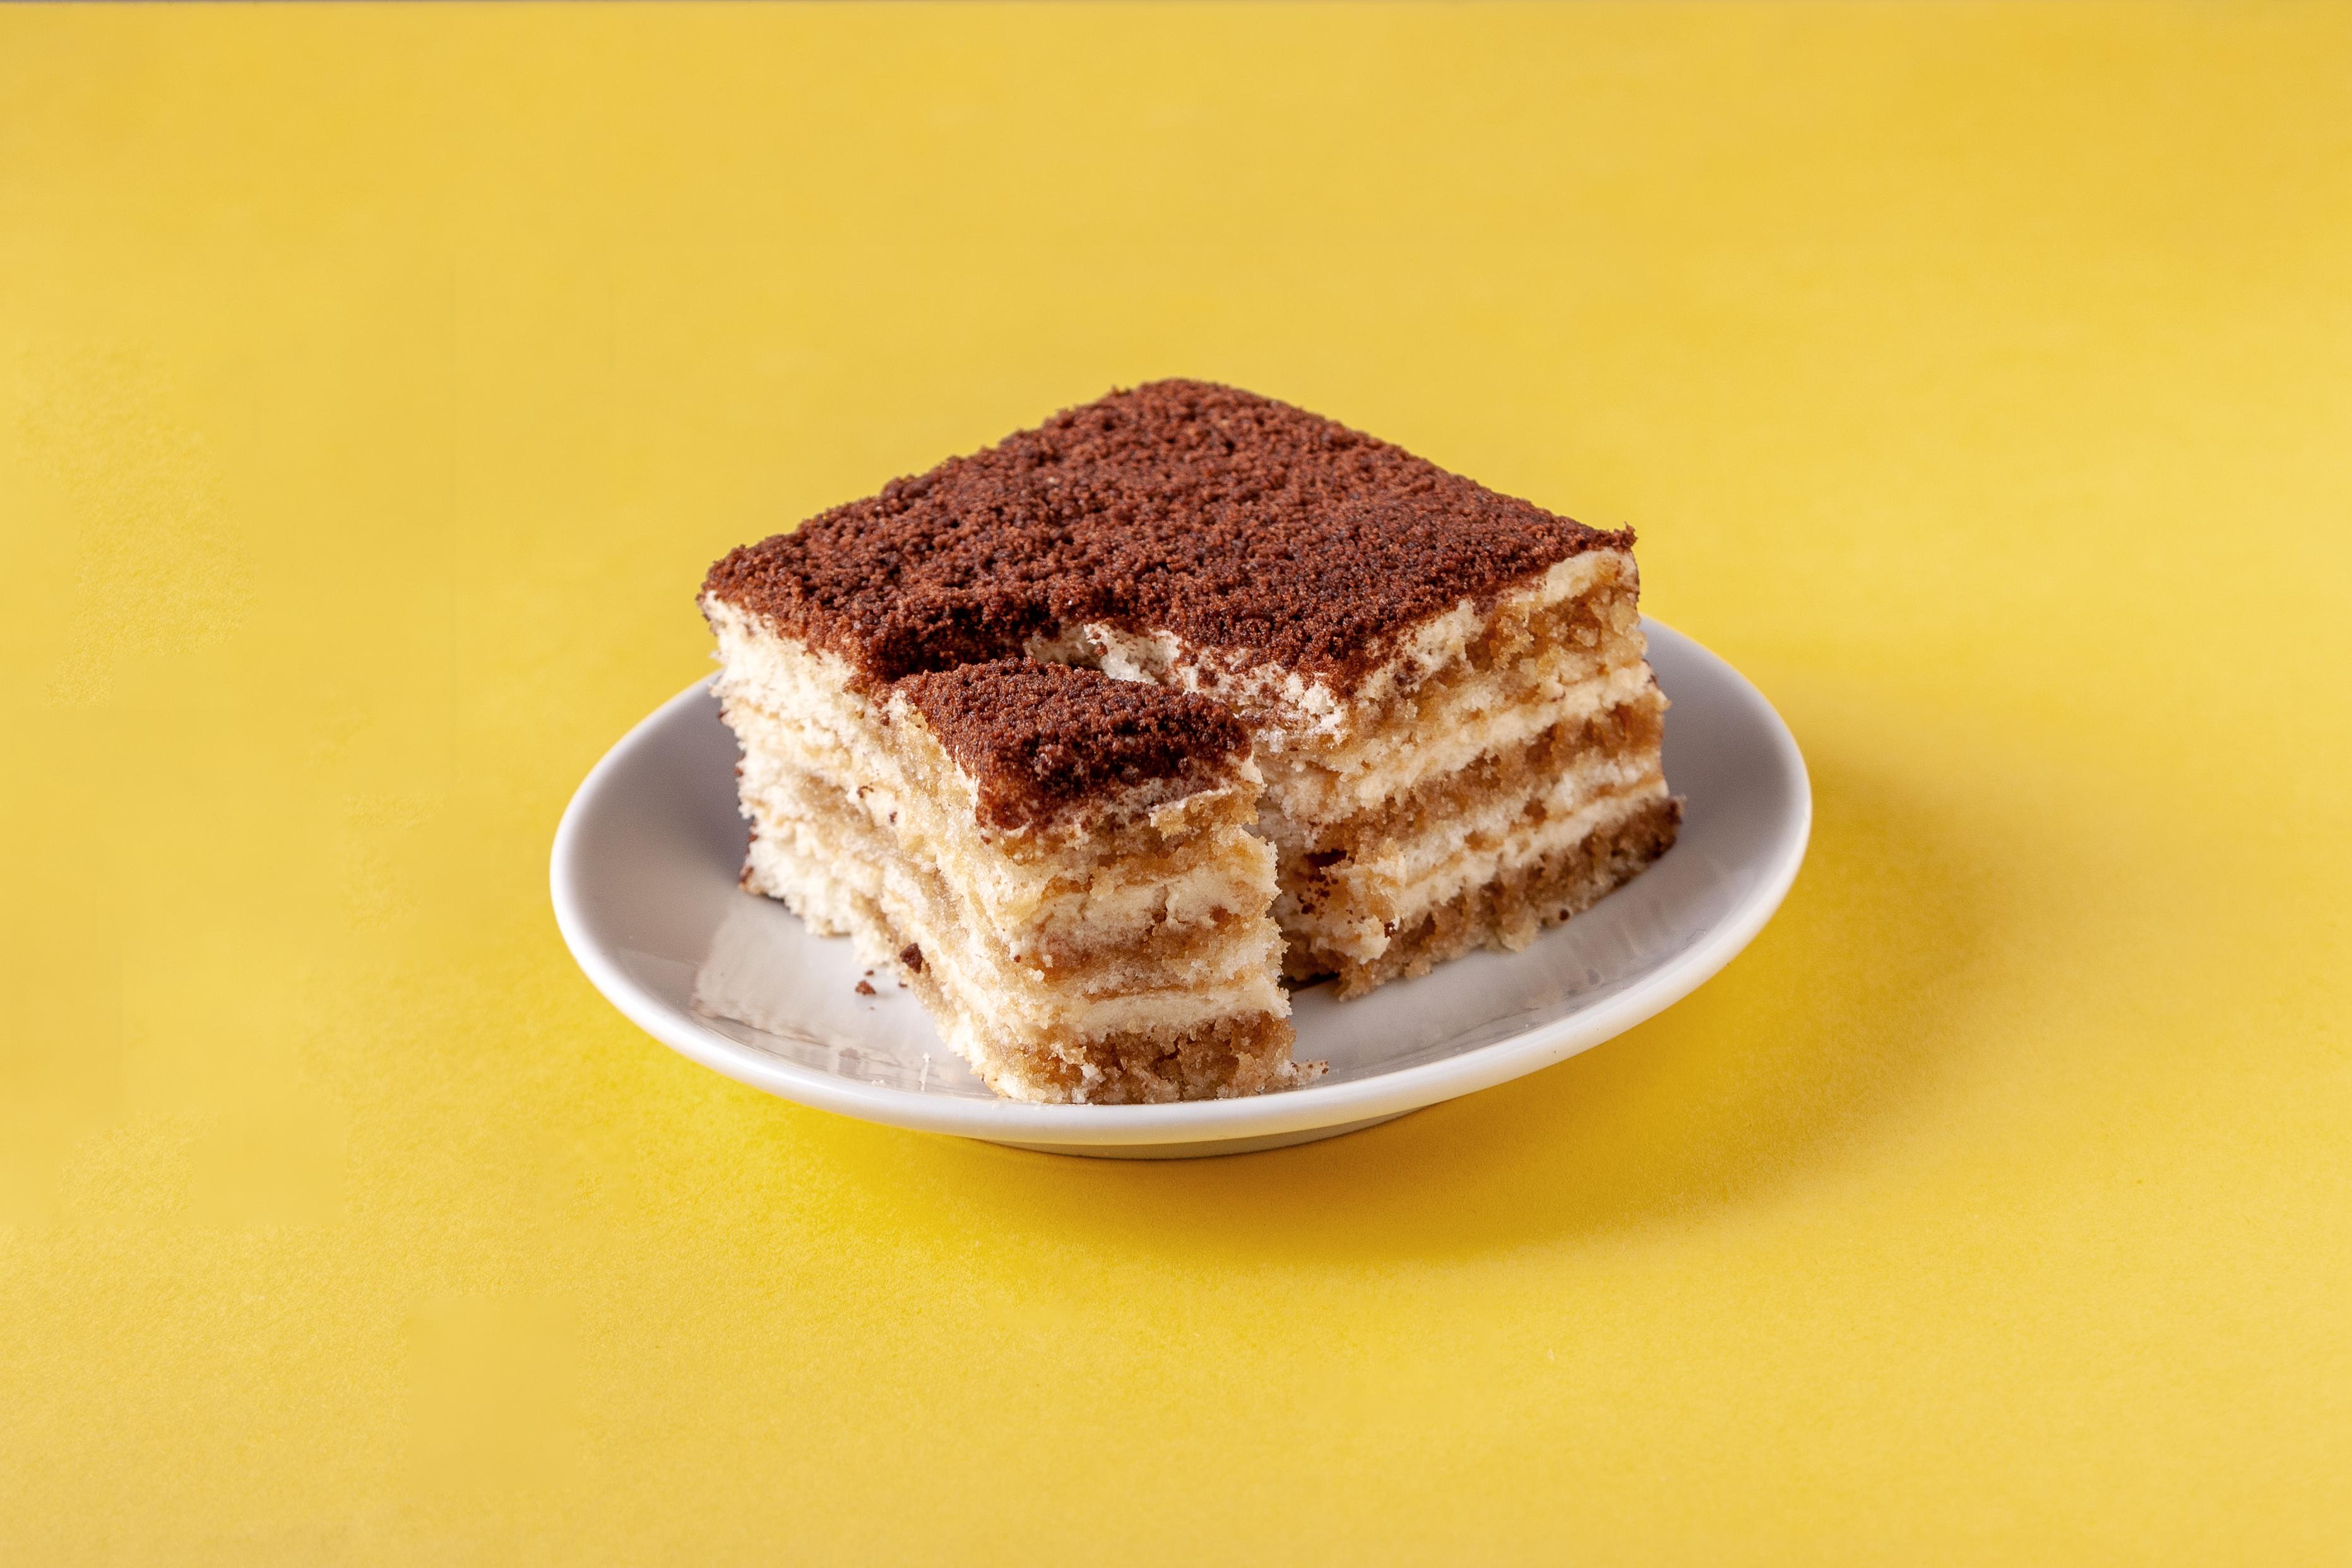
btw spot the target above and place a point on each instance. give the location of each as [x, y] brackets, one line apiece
[377, 385]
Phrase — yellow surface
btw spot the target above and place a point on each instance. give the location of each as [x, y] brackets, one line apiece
[376, 386]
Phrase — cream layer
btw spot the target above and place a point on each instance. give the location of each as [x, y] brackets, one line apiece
[807, 826]
[1136, 862]
[1366, 904]
[836, 892]
[1330, 789]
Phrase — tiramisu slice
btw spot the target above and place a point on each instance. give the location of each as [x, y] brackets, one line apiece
[1444, 689]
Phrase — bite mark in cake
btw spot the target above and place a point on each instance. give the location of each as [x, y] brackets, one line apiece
[1101, 706]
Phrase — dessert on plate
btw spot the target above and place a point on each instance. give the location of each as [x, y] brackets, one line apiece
[1099, 733]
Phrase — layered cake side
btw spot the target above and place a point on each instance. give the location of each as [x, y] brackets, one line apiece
[1444, 690]
[1498, 775]
[1060, 864]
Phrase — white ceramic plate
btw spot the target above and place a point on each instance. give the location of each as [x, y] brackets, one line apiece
[644, 890]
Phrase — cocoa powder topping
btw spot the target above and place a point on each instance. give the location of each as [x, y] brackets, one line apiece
[1246, 527]
[1037, 737]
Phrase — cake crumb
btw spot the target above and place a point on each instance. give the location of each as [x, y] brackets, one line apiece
[864, 989]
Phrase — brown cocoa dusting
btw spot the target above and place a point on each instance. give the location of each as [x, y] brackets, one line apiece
[1243, 525]
[1035, 737]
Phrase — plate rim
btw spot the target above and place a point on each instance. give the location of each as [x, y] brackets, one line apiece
[1205, 1121]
